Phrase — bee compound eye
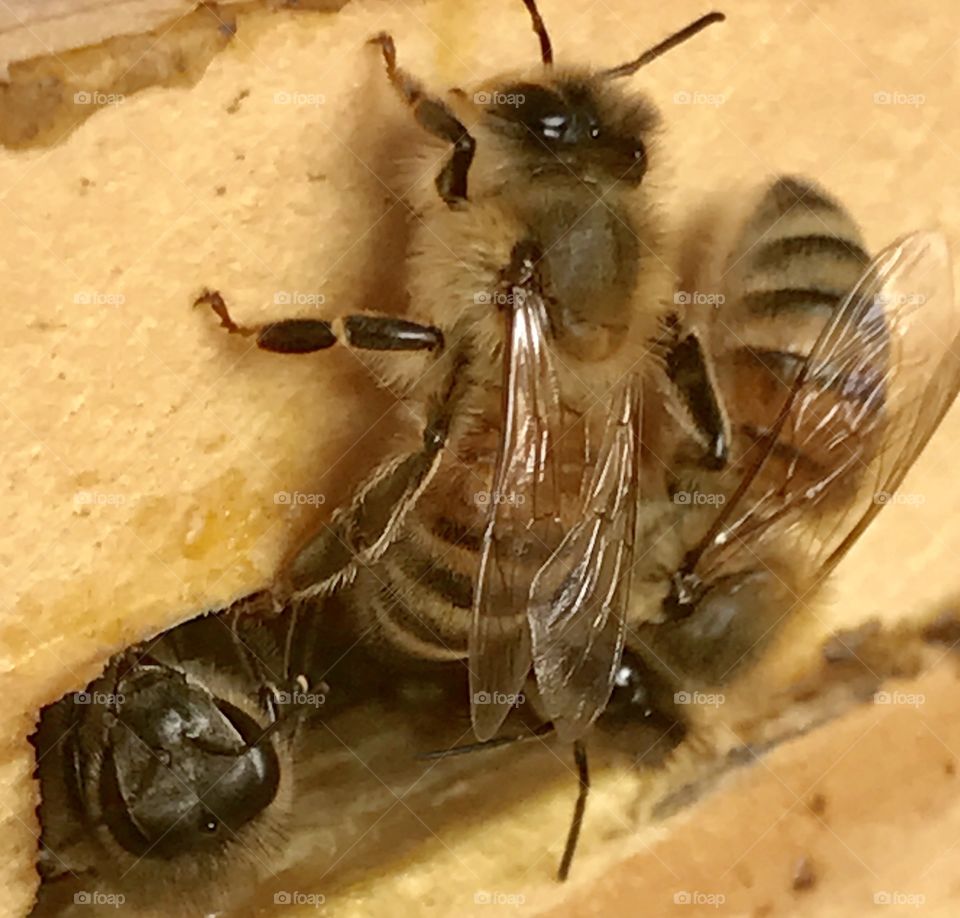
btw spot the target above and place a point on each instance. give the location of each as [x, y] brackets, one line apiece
[539, 110]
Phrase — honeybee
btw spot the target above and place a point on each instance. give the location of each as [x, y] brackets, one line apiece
[539, 289]
[177, 761]
[566, 401]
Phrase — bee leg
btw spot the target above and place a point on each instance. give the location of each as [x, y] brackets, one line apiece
[573, 834]
[688, 370]
[305, 336]
[437, 119]
[360, 532]
[386, 333]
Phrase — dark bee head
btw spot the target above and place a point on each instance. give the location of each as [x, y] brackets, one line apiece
[573, 125]
[182, 769]
[643, 713]
[579, 124]
[174, 770]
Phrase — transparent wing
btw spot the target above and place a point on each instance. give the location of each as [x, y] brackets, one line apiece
[874, 388]
[578, 599]
[523, 526]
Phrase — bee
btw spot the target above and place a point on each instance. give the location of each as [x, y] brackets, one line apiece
[566, 401]
[832, 371]
[539, 288]
[178, 760]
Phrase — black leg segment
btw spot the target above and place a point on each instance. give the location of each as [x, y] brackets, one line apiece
[288, 336]
[583, 773]
[687, 369]
[297, 336]
[385, 333]
[435, 118]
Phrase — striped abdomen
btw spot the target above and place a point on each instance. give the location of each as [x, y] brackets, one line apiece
[419, 594]
[799, 255]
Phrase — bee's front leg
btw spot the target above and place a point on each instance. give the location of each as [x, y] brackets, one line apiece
[366, 332]
[436, 118]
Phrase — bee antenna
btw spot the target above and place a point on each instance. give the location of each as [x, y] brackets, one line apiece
[546, 49]
[543, 730]
[573, 836]
[678, 38]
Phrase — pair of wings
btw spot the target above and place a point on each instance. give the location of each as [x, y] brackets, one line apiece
[891, 351]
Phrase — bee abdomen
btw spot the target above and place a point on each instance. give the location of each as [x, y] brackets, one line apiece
[800, 253]
[419, 597]
[798, 257]
[423, 631]
[417, 617]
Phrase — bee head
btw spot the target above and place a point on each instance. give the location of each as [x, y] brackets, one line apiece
[573, 124]
[643, 706]
[182, 770]
[579, 124]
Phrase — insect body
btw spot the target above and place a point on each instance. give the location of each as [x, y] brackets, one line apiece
[539, 290]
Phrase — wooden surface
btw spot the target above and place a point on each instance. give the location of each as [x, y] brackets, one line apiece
[38, 28]
[143, 451]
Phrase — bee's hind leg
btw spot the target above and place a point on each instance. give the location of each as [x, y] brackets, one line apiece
[436, 118]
